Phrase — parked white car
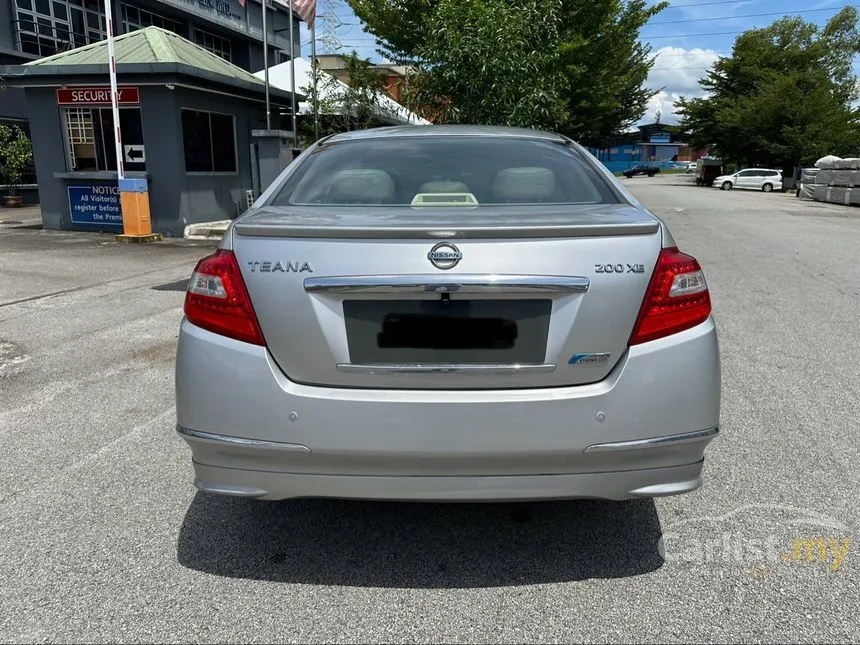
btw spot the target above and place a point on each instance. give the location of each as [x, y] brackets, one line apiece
[691, 166]
[765, 179]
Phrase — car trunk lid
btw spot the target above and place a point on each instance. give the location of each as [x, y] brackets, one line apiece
[530, 298]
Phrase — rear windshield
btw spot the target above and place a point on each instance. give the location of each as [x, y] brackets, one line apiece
[445, 171]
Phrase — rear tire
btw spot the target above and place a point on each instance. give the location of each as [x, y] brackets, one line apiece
[727, 185]
[767, 188]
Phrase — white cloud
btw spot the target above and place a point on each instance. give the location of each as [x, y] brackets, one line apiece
[677, 71]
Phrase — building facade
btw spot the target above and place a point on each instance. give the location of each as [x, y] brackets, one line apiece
[193, 127]
[396, 76]
[232, 29]
[653, 142]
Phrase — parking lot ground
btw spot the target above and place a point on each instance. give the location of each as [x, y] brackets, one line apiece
[104, 539]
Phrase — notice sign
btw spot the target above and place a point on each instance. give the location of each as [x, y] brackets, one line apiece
[96, 96]
[95, 205]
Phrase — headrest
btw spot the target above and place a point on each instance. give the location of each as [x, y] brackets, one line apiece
[361, 185]
[444, 187]
[532, 184]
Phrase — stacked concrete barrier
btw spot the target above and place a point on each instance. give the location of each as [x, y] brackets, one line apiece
[808, 182]
[824, 176]
[836, 182]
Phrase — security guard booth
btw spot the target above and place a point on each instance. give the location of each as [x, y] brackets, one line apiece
[186, 121]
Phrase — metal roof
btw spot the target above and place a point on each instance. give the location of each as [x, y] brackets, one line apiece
[443, 130]
[280, 76]
[151, 45]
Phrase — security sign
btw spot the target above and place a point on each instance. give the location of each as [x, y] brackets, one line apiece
[96, 96]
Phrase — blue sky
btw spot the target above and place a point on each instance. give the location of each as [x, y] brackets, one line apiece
[687, 37]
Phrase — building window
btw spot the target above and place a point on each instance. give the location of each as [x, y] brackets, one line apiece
[134, 18]
[216, 44]
[209, 141]
[90, 140]
[45, 27]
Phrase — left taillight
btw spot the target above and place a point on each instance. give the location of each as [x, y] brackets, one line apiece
[677, 298]
[218, 301]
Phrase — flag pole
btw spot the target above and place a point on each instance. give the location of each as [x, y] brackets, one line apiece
[293, 80]
[265, 66]
[120, 171]
[314, 67]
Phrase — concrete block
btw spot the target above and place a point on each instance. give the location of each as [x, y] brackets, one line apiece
[851, 163]
[819, 193]
[824, 176]
[847, 178]
[836, 195]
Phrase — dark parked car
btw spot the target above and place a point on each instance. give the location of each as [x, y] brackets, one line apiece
[641, 169]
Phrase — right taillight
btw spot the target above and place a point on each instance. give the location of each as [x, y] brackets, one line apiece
[218, 301]
[677, 298]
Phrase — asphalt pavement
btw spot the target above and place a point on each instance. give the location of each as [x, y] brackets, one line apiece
[103, 538]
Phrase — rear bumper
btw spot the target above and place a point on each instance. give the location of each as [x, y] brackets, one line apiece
[621, 485]
[640, 432]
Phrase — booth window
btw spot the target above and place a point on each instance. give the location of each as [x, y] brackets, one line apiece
[90, 140]
[209, 141]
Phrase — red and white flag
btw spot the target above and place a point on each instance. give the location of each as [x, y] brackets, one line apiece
[305, 9]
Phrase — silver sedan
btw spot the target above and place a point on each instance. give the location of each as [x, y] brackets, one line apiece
[447, 313]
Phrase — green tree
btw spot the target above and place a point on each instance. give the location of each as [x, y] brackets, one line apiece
[490, 62]
[575, 66]
[359, 103]
[16, 156]
[784, 97]
[606, 66]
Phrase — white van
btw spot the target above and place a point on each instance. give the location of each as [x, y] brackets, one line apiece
[765, 179]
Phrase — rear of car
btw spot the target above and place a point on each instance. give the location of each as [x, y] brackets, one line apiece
[771, 180]
[447, 314]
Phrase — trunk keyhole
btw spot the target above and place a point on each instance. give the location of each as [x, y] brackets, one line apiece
[446, 298]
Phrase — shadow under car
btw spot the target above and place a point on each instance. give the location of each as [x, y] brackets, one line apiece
[419, 545]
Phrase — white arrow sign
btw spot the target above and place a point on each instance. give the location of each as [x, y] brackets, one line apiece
[135, 154]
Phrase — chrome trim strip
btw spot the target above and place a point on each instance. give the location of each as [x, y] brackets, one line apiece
[438, 283]
[240, 442]
[656, 442]
[274, 226]
[445, 368]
